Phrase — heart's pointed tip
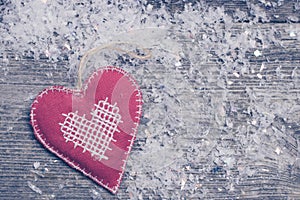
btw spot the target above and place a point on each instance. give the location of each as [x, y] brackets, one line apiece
[47, 106]
[114, 190]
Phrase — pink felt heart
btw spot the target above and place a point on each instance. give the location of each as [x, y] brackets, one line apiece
[92, 130]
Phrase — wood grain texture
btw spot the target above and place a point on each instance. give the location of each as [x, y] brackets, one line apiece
[24, 77]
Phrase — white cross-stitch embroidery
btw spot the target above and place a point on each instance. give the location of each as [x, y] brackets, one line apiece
[96, 134]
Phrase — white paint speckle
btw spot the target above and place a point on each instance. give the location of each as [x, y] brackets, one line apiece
[149, 7]
[265, 170]
[36, 165]
[259, 76]
[257, 53]
[34, 188]
[183, 181]
[292, 34]
[264, 130]
[262, 67]
[278, 150]
[229, 82]
[236, 74]
[178, 64]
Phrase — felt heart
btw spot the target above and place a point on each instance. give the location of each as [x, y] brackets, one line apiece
[92, 130]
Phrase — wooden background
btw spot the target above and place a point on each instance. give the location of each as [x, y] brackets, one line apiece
[25, 77]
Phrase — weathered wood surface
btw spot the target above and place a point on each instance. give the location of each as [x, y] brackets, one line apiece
[24, 77]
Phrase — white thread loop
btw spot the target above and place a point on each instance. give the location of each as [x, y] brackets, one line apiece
[112, 46]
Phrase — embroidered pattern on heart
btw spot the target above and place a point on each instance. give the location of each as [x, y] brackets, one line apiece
[96, 134]
[92, 130]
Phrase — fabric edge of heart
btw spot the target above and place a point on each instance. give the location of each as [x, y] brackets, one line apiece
[38, 134]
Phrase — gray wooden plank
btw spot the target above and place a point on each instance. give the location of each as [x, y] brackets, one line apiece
[26, 77]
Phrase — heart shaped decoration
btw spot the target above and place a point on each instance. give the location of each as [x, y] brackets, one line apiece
[92, 130]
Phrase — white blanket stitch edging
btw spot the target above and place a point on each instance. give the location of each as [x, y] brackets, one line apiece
[72, 163]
